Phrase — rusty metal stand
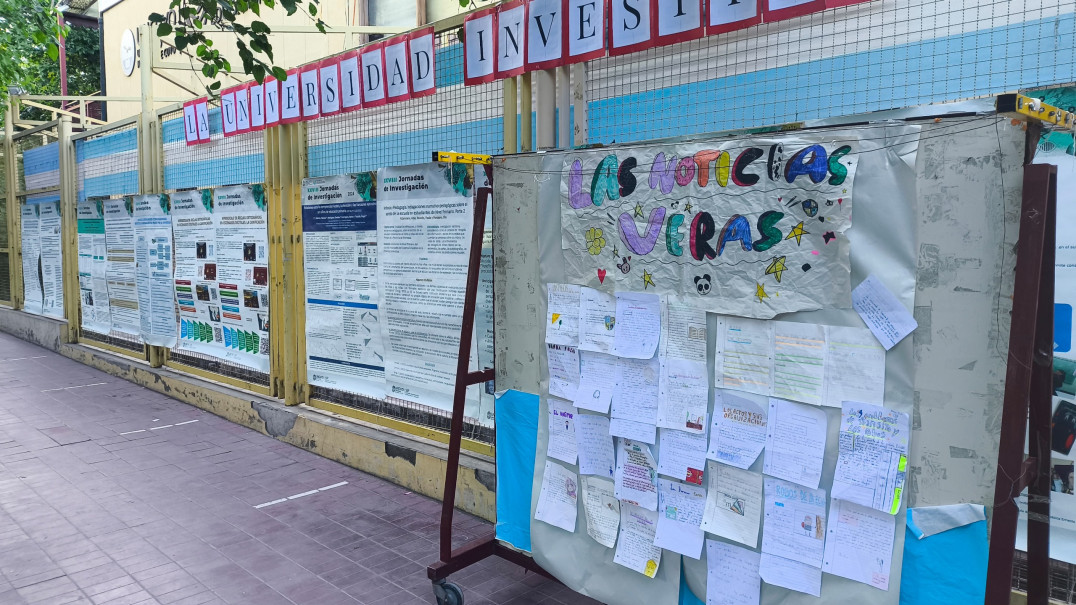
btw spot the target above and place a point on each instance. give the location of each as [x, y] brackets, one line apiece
[1028, 392]
[453, 560]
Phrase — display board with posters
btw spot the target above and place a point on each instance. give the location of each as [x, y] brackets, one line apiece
[153, 261]
[93, 267]
[42, 258]
[222, 273]
[340, 254]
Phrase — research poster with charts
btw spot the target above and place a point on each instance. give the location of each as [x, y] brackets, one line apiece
[752, 227]
[31, 258]
[93, 267]
[52, 278]
[242, 254]
[424, 221]
[153, 262]
[120, 262]
[340, 260]
[194, 231]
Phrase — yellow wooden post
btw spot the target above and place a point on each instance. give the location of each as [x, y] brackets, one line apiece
[525, 100]
[510, 114]
[14, 211]
[69, 228]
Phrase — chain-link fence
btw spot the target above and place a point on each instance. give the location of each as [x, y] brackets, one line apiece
[872, 56]
[235, 160]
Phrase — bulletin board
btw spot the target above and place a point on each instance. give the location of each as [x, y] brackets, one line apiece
[933, 216]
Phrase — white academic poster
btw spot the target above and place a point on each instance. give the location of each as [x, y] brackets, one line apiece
[340, 261]
[93, 267]
[120, 264]
[31, 258]
[51, 241]
[194, 233]
[424, 222]
[153, 265]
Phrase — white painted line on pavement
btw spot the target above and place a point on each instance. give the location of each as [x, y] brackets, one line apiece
[304, 494]
[81, 386]
[157, 428]
[23, 358]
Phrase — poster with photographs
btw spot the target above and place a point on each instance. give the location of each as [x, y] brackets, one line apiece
[195, 232]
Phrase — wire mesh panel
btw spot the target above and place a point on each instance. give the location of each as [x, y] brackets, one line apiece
[873, 56]
[107, 168]
[5, 241]
[458, 118]
[235, 160]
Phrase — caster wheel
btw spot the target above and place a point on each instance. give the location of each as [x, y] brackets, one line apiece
[447, 593]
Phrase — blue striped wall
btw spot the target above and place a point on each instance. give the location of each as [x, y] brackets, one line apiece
[37, 160]
[213, 171]
[100, 148]
[984, 62]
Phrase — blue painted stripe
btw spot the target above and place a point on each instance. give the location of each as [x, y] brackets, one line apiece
[119, 142]
[117, 183]
[404, 148]
[448, 66]
[43, 198]
[45, 158]
[215, 172]
[1035, 53]
[340, 303]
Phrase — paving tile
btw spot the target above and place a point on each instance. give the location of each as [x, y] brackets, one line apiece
[92, 517]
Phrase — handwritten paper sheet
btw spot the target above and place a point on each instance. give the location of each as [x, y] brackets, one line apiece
[795, 442]
[561, 442]
[635, 549]
[855, 366]
[683, 395]
[562, 314]
[636, 431]
[731, 575]
[799, 361]
[680, 509]
[563, 363]
[682, 455]
[748, 356]
[882, 312]
[683, 332]
[597, 320]
[859, 544]
[636, 474]
[638, 325]
[594, 445]
[597, 381]
[636, 395]
[790, 574]
[602, 510]
[873, 457]
[557, 500]
[733, 504]
[795, 526]
[738, 432]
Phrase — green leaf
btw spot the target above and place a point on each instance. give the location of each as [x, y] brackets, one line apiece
[54, 51]
[156, 18]
[279, 73]
[181, 42]
[259, 73]
[312, 8]
[259, 28]
[214, 86]
[164, 29]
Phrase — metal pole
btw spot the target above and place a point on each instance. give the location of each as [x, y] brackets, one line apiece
[14, 208]
[510, 114]
[148, 148]
[525, 99]
[69, 229]
[547, 109]
[564, 108]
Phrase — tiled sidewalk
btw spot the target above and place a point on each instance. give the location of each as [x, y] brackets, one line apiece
[114, 494]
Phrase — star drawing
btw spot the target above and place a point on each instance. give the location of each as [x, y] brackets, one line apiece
[638, 210]
[776, 267]
[760, 292]
[687, 206]
[648, 279]
[797, 232]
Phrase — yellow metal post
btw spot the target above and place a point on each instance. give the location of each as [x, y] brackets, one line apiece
[14, 211]
[285, 168]
[149, 168]
[525, 97]
[510, 115]
[69, 228]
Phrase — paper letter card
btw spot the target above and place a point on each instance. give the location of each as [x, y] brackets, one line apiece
[882, 312]
[738, 432]
[561, 444]
[545, 38]
[350, 82]
[594, 445]
[479, 46]
[423, 79]
[602, 510]
[635, 549]
[397, 71]
[630, 27]
[859, 544]
[679, 20]
[329, 77]
[511, 44]
[586, 30]
[636, 474]
[733, 504]
[680, 509]
[562, 314]
[558, 498]
[795, 442]
[731, 575]
[726, 17]
[372, 63]
[290, 98]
